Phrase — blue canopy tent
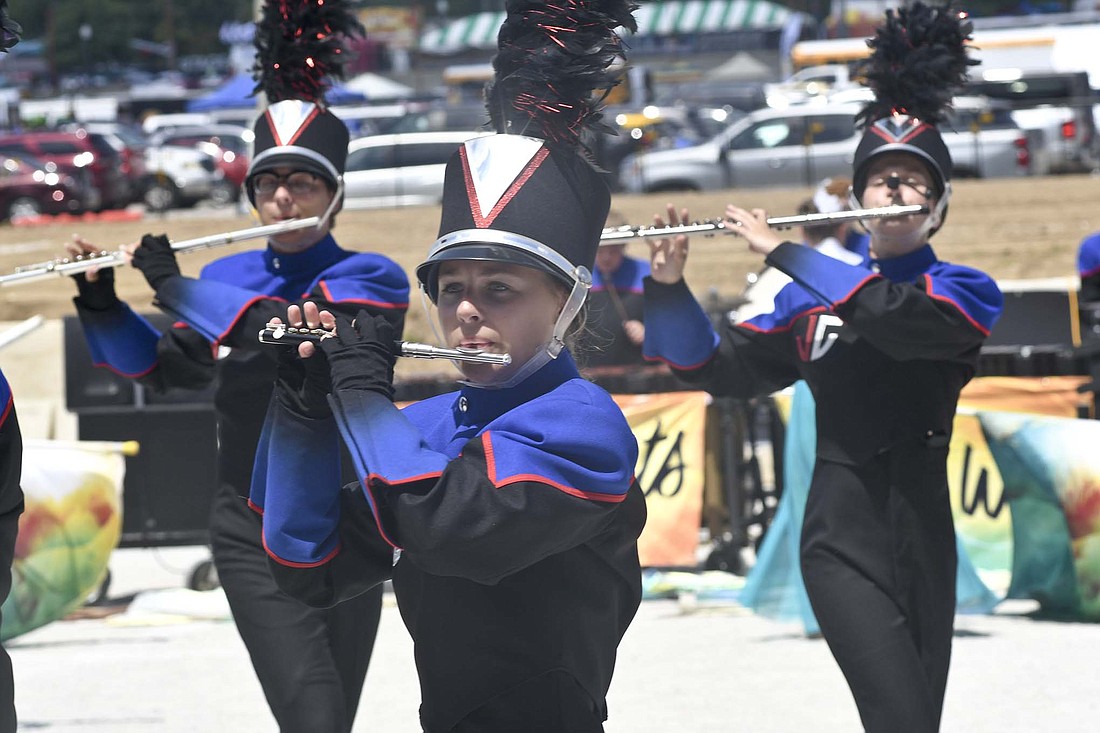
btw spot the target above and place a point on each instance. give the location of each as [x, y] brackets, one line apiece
[237, 94]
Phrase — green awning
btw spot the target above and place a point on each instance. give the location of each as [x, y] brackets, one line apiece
[662, 18]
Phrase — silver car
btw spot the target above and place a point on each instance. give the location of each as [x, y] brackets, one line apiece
[800, 145]
[399, 170]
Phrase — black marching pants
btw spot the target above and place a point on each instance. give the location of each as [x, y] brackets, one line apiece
[879, 563]
[550, 703]
[310, 662]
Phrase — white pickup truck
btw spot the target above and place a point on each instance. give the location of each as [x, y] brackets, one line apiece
[1056, 104]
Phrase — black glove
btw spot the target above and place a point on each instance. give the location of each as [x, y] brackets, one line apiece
[362, 355]
[156, 260]
[302, 385]
[99, 295]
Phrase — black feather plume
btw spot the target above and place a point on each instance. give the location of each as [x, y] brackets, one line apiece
[553, 70]
[9, 29]
[300, 47]
[918, 63]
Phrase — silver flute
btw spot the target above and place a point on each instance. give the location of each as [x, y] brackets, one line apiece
[281, 334]
[708, 227]
[105, 258]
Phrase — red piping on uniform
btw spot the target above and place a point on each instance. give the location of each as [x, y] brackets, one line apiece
[490, 462]
[958, 306]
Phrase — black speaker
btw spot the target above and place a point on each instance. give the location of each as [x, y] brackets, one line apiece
[170, 484]
[1037, 318]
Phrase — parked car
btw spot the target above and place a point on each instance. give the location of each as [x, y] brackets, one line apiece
[87, 157]
[433, 117]
[636, 131]
[1058, 104]
[178, 176]
[30, 190]
[231, 147]
[799, 146]
[130, 144]
[399, 170]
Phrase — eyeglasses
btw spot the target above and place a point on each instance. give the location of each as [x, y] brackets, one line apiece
[298, 183]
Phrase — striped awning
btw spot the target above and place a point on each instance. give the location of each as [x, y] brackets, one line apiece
[661, 18]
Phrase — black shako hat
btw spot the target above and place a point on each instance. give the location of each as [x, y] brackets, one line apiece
[902, 134]
[918, 63]
[299, 52]
[517, 199]
[530, 194]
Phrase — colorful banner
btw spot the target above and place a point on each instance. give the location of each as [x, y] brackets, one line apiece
[670, 429]
[70, 525]
[1024, 477]
[1051, 472]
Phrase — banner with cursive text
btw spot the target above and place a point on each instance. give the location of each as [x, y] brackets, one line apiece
[670, 432]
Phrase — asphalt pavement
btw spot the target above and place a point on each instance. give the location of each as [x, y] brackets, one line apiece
[171, 662]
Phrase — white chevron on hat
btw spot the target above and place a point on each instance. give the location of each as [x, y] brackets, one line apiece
[495, 162]
[288, 118]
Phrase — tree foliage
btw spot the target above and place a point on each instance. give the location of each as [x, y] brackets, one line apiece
[190, 25]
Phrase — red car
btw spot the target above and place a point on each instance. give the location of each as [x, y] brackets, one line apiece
[85, 156]
[27, 189]
[230, 145]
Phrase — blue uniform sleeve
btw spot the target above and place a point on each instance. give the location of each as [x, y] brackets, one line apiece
[322, 542]
[947, 312]
[120, 340]
[748, 359]
[11, 457]
[677, 330]
[1088, 256]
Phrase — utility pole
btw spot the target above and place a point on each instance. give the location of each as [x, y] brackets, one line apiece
[51, 45]
[257, 13]
[170, 32]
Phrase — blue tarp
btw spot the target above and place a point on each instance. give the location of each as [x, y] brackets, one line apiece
[237, 94]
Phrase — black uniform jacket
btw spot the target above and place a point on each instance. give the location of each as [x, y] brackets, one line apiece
[516, 512]
[885, 352]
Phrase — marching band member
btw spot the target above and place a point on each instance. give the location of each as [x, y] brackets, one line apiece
[311, 663]
[615, 305]
[11, 506]
[11, 468]
[512, 502]
[885, 353]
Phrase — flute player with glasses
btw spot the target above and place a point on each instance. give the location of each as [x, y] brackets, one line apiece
[311, 663]
[885, 352]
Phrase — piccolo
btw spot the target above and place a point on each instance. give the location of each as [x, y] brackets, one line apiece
[83, 263]
[281, 334]
[713, 226]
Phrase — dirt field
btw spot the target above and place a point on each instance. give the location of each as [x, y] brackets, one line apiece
[1013, 229]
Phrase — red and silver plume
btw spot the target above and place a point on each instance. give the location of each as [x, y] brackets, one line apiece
[918, 63]
[553, 66]
[300, 47]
